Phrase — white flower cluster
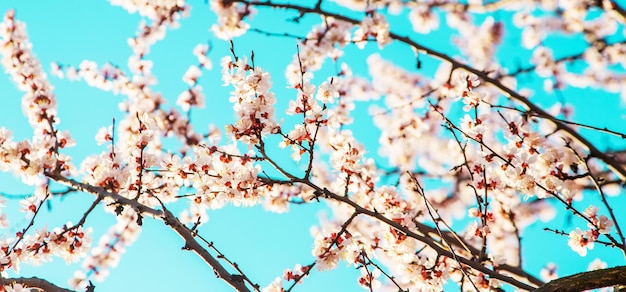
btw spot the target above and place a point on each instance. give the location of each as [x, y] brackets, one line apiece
[18, 60]
[110, 248]
[218, 178]
[253, 102]
[230, 19]
[479, 43]
[574, 17]
[423, 19]
[324, 41]
[160, 13]
[580, 241]
[29, 159]
[394, 6]
[396, 250]
[405, 135]
[194, 95]
[70, 243]
[374, 25]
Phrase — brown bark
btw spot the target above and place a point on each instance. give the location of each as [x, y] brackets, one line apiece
[35, 282]
[587, 280]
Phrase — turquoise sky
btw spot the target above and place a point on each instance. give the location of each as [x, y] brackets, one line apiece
[263, 244]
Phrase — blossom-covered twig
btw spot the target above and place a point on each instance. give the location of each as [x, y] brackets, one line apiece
[168, 218]
[487, 78]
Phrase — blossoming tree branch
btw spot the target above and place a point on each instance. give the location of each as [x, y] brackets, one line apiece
[468, 157]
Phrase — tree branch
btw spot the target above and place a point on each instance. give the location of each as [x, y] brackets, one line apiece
[98, 191]
[587, 280]
[506, 91]
[191, 244]
[438, 247]
[34, 282]
[168, 218]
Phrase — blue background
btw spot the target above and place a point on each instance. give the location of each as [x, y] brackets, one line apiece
[263, 244]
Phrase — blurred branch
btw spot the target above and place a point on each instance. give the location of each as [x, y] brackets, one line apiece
[554, 119]
[570, 58]
[495, 82]
[611, 5]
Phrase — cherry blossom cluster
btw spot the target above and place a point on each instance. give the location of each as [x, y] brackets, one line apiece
[423, 19]
[399, 124]
[330, 248]
[124, 172]
[217, 177]
[347, 156]
[160, 13]
[39, 103]
[398, 252]
[230, 18]
[29, 159]
[253, 102]
[396, 249]
[530, 164]
[141, 98]
[527, 163]
[472, 159]
[71, 243]
[194, 97]
[324, 41]
[314, 114]
[374, 25]
[107, 253]
[580, 241]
